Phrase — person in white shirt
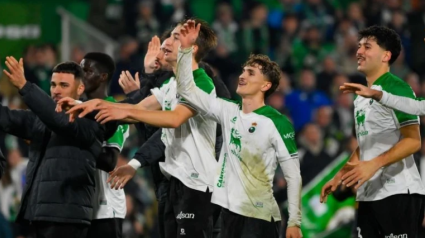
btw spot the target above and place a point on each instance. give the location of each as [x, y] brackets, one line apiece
[256, 139]
[188, 136]
[382, 169]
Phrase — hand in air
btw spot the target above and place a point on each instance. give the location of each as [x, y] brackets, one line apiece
[119, 177]
[189, 33]
[154, 48]
[128, 83]
[16, 75]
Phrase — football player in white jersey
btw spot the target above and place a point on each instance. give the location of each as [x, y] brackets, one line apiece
[256, 138]
[382, 169]
[189, 138]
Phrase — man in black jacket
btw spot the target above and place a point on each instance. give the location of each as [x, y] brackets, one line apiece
[57, 199]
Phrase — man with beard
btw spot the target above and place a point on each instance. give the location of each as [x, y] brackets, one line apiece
[57, 199]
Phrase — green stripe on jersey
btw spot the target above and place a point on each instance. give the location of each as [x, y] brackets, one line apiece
[203, 81]
[165, 82]
[396, 86]
[283, 126]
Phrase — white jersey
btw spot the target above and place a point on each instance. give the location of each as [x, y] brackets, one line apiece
[253, 146]
[190, 148]
[377, 131]
[110, 203]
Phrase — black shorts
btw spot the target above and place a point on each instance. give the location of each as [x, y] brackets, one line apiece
[397, 216]
[106, 228]
[237, 226]
[188, 212]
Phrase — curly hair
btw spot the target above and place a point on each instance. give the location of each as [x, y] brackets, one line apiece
[385, 37]
[207, 39]
[268, 68]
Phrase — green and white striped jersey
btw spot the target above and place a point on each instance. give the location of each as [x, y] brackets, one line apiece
[253, 146]
[377, 131]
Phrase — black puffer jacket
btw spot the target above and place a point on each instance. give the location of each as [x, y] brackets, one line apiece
[60, 173]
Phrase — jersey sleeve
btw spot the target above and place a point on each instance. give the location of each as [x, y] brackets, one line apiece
[203, 83]
[119, 137]
[197, 96]
[283, 140]
[404, 90]
[160, 92]
[404, 104]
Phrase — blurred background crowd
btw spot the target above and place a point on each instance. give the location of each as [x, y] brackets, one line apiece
[314, 42]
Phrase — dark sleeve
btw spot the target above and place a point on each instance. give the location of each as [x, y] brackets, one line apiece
[17, 122]
[2, 164]
[82, 129]
[151, 151]
[108, 159]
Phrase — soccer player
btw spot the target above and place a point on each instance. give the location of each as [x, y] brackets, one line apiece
[109, 204]
[256, 139]
[189, 138]
[382, 169]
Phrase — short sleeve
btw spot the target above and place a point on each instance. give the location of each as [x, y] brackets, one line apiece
[119, 137]
[284, 139]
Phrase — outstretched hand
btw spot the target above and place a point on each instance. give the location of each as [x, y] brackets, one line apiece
[361, 90]
[119, 177]
[189, 33]
[16, 75]
[154, 48]
[83, 109]
[128, 83]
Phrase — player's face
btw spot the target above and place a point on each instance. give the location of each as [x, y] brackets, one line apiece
[92, 76]
[370, 56]
[252, 82]
[160, 58]
[171, 47]
[64, 85]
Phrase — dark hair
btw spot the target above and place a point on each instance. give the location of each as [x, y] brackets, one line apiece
[385, 37]
[105, 62]
[207, 39]
[70, 67]
[269, 68]
[166, 34]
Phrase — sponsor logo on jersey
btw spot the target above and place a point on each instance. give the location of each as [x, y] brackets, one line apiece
[220, 182]
[235, 139]
[182, 215]
[194, 175]
[397, 236]
[259, 204]
[290, 135]
[167, 105]
[234, 120]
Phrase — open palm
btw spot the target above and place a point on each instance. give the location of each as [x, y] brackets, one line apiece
[189, 33]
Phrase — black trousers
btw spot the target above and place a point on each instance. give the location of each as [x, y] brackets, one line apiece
[188, 212]
[105, 228]
[395, 216]
[44, 229]
[237, 226]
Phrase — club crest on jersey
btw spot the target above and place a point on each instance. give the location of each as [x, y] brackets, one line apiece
[235, 140]
[371, 101]
[360, 120]
[252, 128]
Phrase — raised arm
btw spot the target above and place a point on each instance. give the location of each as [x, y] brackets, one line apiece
[17, 122]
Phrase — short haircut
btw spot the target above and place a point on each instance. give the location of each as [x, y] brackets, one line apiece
[207, 39]
[385, 37]
[166, 34]
[269, 68]
[70, 67]
[105, 62]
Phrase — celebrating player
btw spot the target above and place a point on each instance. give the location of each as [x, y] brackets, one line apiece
[256, 139]
[382, 168]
